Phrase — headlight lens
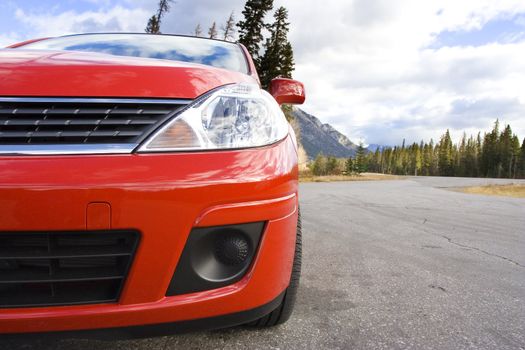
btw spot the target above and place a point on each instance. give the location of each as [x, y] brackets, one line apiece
[236, 116]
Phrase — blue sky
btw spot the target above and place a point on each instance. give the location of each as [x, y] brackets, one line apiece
[498, 30]
[378, 70]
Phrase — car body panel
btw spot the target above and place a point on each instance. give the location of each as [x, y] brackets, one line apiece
[163, 196]
[82, 74]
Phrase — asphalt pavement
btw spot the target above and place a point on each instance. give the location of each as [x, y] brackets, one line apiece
[408, 264]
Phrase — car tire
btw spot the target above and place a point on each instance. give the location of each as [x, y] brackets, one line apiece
[283, 312]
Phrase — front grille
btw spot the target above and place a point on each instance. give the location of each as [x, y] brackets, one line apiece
[67, 121]
[64, 268]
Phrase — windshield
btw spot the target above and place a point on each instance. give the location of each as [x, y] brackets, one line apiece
[168, 47]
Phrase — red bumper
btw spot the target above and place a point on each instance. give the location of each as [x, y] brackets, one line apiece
[163, 196]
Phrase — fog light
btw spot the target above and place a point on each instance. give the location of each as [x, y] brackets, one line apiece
[214, 257]
[231, 249]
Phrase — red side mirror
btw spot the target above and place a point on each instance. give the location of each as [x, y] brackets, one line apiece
[287, 91]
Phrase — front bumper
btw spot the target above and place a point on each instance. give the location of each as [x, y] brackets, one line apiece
[163, 196]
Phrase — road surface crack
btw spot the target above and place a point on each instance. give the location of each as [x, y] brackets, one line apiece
[433, 286]
[482, 251]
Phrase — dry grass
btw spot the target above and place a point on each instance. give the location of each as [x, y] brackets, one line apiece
[513, 190]
[305, 177]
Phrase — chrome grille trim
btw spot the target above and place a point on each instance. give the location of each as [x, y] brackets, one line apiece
[96, 100]
[122, 148]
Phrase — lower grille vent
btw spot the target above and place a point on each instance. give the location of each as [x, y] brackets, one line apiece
[64, 268]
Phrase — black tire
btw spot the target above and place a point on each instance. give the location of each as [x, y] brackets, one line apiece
[283, 312]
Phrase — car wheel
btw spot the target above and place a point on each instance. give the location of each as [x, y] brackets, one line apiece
[283, 312]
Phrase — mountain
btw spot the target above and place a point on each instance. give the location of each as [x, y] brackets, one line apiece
[317, 137]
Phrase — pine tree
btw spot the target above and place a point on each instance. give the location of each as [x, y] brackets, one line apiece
[417, 161]
[360, 159]
[461, 163]
[506, 152]
[277, 60]
[319, 165]
[435, 159]
[521, 163]
[349, 166]
[331, 165]
[376, 161]
[514, 164]
[212, 32]
[198, 30]
[471, 158]
[228, 30]
[445, 158]
[490, 160]
[153, 26]
[478, 149]
[287, 63]
[386, 155]
[251, 28]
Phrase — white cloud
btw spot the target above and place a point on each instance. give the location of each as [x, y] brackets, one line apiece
[117, 19]
[370, 71]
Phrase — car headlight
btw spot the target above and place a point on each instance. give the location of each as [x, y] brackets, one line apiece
[235, 116]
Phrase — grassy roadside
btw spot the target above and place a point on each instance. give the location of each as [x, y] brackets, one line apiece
[513, 190]
[306, 177]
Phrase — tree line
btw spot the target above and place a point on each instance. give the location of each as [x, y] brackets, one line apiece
[228, 31]
[497, 153]
[267, 42]
[329, 165]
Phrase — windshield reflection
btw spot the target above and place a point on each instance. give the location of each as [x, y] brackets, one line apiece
[167, 47]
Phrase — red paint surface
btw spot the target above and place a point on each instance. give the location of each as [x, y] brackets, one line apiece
[98, 216]
[287, 91]
[161, 195]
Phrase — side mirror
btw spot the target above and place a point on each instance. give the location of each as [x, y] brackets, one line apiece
[287, 91]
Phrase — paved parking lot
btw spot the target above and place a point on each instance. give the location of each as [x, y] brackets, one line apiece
[389, 264]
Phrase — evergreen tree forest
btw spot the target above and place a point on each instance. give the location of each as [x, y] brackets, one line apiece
[252, 26]
[277, 60]
[495, 154]
[273, 57]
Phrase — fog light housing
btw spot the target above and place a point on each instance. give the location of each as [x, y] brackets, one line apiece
[215, 257]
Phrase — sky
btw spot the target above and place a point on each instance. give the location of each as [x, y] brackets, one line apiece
[380, 71]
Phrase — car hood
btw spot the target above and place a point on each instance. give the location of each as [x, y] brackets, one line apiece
[82, 74]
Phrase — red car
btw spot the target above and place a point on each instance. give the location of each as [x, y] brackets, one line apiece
[147, 185]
